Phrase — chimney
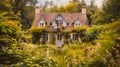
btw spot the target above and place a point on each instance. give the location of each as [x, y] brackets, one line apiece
[37, 10]
[84, 10]
[84, 7]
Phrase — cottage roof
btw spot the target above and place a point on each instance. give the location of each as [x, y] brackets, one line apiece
[68, 17]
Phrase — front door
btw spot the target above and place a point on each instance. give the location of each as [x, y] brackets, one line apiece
[59, 40]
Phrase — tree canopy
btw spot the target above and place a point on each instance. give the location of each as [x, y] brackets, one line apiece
[108, 13]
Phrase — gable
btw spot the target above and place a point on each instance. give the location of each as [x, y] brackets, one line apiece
[59, 18]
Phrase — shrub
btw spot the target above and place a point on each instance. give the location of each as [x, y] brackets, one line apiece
[108, 48]
[92, 33]
[35, 29]
[37, 32]
[80, 31]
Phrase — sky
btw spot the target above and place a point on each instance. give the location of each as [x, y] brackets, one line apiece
[63, 2]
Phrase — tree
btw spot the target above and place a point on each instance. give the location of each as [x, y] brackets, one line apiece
[109, 44]
[75, 0]
[54, 9]
[10, 30]
[112, 8]
[10, 33]
[6, 11]
[108, 13]
[72, 7]
[91, 11]
[26, 12]
[47, 5]
[92, 33]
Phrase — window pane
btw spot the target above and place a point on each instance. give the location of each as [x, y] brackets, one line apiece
[57, 23]
[61, 22]
[59, 37]
[75, 37]
[46, 37]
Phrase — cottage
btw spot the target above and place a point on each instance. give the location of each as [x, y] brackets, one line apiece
[53, 21]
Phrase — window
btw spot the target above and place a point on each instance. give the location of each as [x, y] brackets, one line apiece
[75, 37]
[59, 37]
[46, 37]
[41, 23]
[59, 22]
[77, 23]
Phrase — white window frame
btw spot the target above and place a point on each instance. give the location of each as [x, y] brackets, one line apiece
[74, 37]
[41, 23]
[59, 37]
[59, 22]
[46, 37]
[77, 23]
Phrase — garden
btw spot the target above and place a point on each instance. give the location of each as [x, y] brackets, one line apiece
[98, 45]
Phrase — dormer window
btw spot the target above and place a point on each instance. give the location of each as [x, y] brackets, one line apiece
[59, 22]
[41, 23]
[77, 23]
